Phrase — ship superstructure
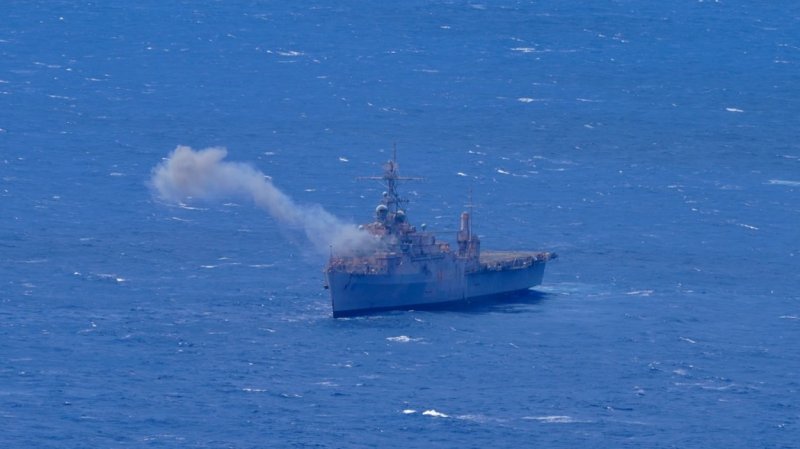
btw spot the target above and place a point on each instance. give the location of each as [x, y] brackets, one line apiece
[411, 269]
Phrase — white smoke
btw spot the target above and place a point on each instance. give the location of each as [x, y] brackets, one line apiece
[205, 175]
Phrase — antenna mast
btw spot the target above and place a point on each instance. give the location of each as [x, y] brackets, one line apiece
[471, 206]
[390, 178]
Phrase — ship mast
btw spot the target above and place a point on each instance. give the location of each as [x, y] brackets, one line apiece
[390, 178]
[471, 206]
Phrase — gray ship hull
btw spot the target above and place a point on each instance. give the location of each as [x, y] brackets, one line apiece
[361, 293]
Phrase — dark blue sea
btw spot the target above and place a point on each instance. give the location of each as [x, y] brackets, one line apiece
[653, 145]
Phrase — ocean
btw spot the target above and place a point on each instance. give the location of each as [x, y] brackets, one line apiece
[652, 145]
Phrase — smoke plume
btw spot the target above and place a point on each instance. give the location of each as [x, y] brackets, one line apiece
[206, 175]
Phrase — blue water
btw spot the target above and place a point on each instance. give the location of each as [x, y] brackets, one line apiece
[653, 145]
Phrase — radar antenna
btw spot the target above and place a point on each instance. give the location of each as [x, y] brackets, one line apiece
[390, 177]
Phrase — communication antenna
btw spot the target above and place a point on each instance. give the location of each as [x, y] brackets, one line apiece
[471, 206]
[390, 179]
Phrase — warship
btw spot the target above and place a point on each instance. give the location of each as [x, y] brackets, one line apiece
[411, 269]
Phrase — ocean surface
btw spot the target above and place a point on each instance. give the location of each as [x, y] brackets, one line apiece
[652, 145]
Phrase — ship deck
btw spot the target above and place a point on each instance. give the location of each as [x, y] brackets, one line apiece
[495, 260]
[497, 256]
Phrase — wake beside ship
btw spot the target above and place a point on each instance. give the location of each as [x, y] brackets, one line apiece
[411, 269]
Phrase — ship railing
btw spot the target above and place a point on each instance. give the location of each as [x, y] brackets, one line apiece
[515, 263]
[357, 266]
